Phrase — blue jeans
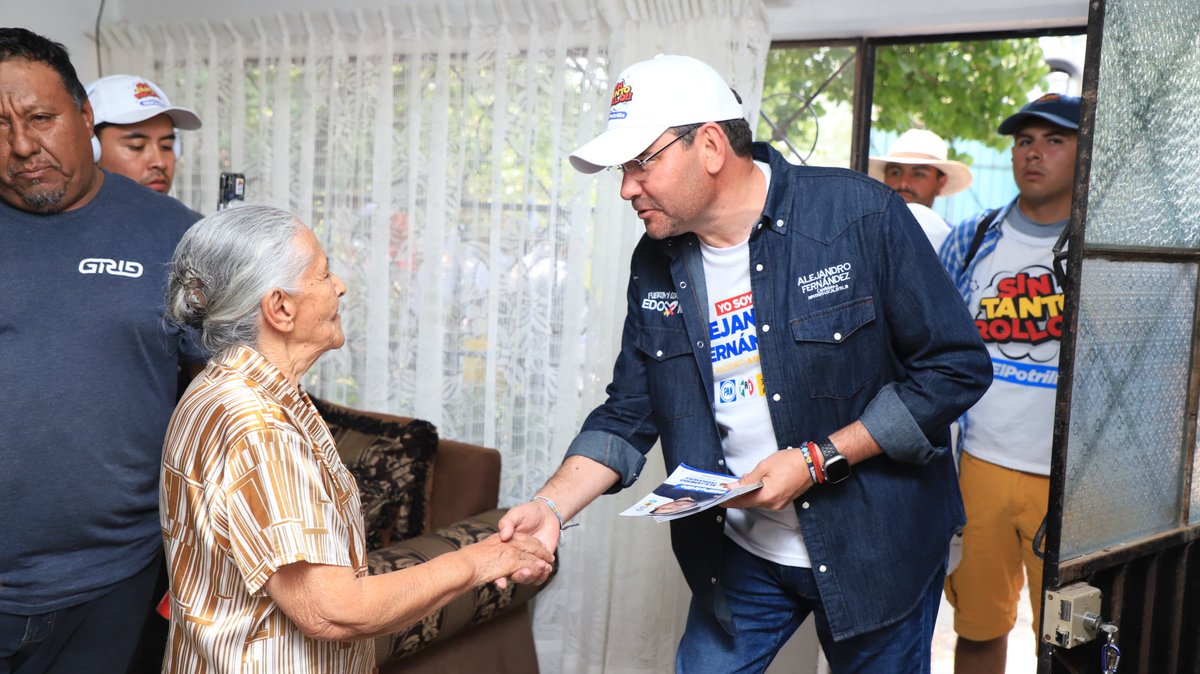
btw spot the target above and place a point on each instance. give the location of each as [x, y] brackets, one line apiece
[769, 601]
[99, 636]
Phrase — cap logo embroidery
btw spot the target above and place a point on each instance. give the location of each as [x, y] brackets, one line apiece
[142, 90]
[622, 93]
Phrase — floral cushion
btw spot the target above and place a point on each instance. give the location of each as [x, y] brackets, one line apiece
[479, 605]
[392, 463]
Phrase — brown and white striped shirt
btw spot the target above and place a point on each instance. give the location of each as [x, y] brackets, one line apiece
[251, 482]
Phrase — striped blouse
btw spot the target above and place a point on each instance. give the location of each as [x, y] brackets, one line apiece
[251, 481]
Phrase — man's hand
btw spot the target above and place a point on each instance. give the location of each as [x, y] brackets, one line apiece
[785, 477]
[533, 518]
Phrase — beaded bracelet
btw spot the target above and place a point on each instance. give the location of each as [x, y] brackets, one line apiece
[557, 515]
[808, 460]
[818, 459]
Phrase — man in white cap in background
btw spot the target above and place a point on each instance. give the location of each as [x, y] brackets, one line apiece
[783, 323]
[135, 126]
[916, 166]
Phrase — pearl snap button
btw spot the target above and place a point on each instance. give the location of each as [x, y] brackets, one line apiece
[758, 267]
[837, 336]
[776, 397]
[766, 328]
[658, 353]
[779, 223]
[804, 505]
[822, 568]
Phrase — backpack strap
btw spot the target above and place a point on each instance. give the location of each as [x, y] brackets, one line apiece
[980, 232]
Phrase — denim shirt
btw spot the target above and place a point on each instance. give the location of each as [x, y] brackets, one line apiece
[856, 320]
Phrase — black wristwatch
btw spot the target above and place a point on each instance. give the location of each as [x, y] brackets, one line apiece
[835, 466]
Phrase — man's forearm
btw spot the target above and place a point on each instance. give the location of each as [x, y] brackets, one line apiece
[576, 483]
[855, 443]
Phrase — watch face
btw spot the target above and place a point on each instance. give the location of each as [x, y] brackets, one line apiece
[837, 469]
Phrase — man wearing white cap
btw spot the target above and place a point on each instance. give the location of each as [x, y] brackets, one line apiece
[916, 166]
[783, 323]
[135, 127]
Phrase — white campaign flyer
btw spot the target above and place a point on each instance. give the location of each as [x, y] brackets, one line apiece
[686, 491]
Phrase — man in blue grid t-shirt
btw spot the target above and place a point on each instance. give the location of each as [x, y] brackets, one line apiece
[89, 370]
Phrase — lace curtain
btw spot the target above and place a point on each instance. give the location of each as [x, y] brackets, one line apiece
[426, 145]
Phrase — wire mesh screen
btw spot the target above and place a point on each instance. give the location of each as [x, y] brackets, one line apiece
[1129, 399]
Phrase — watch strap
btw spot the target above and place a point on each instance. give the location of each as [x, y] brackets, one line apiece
[833, 459]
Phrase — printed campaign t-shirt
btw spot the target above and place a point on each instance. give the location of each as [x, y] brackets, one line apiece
[740, 402]
[1017, 304]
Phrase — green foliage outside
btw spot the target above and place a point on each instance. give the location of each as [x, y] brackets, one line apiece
[960, 90]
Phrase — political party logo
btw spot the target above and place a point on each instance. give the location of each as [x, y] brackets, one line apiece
[827, 281]
[663, 302]
[733, 390]
[1021, 314]
[100, 265]
[727, 391]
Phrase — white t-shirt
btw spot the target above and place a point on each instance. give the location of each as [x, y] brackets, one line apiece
[935, 228]
[741, 404]
[1017, 305]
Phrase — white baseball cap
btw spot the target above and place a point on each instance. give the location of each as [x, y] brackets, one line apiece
[651, 97]
[125, 99]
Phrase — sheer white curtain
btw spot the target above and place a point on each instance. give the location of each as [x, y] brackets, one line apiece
[426, 145]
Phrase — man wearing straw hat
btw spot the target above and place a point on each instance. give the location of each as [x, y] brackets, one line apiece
[916, 166]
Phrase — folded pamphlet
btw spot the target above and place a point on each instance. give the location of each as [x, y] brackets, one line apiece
[687, 491]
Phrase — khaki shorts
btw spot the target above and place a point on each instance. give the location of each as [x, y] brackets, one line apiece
[1004, 510]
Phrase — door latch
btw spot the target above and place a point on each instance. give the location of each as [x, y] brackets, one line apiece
[1072, 616]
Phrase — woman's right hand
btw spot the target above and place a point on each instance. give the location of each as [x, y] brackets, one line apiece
[496, 560]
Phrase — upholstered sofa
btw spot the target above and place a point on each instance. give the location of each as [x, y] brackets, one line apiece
[423, 496]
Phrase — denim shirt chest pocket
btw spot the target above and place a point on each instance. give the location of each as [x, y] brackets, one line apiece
[671, 373]
[839, 347]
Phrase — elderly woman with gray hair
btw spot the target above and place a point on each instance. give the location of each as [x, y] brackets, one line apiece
[262, 522]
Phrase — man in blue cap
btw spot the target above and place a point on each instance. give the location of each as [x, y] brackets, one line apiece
[1001, 260]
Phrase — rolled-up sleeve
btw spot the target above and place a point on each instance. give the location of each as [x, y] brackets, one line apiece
[945, 363]
[620, 432]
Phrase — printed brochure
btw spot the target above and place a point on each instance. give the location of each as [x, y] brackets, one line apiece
[686, 491]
